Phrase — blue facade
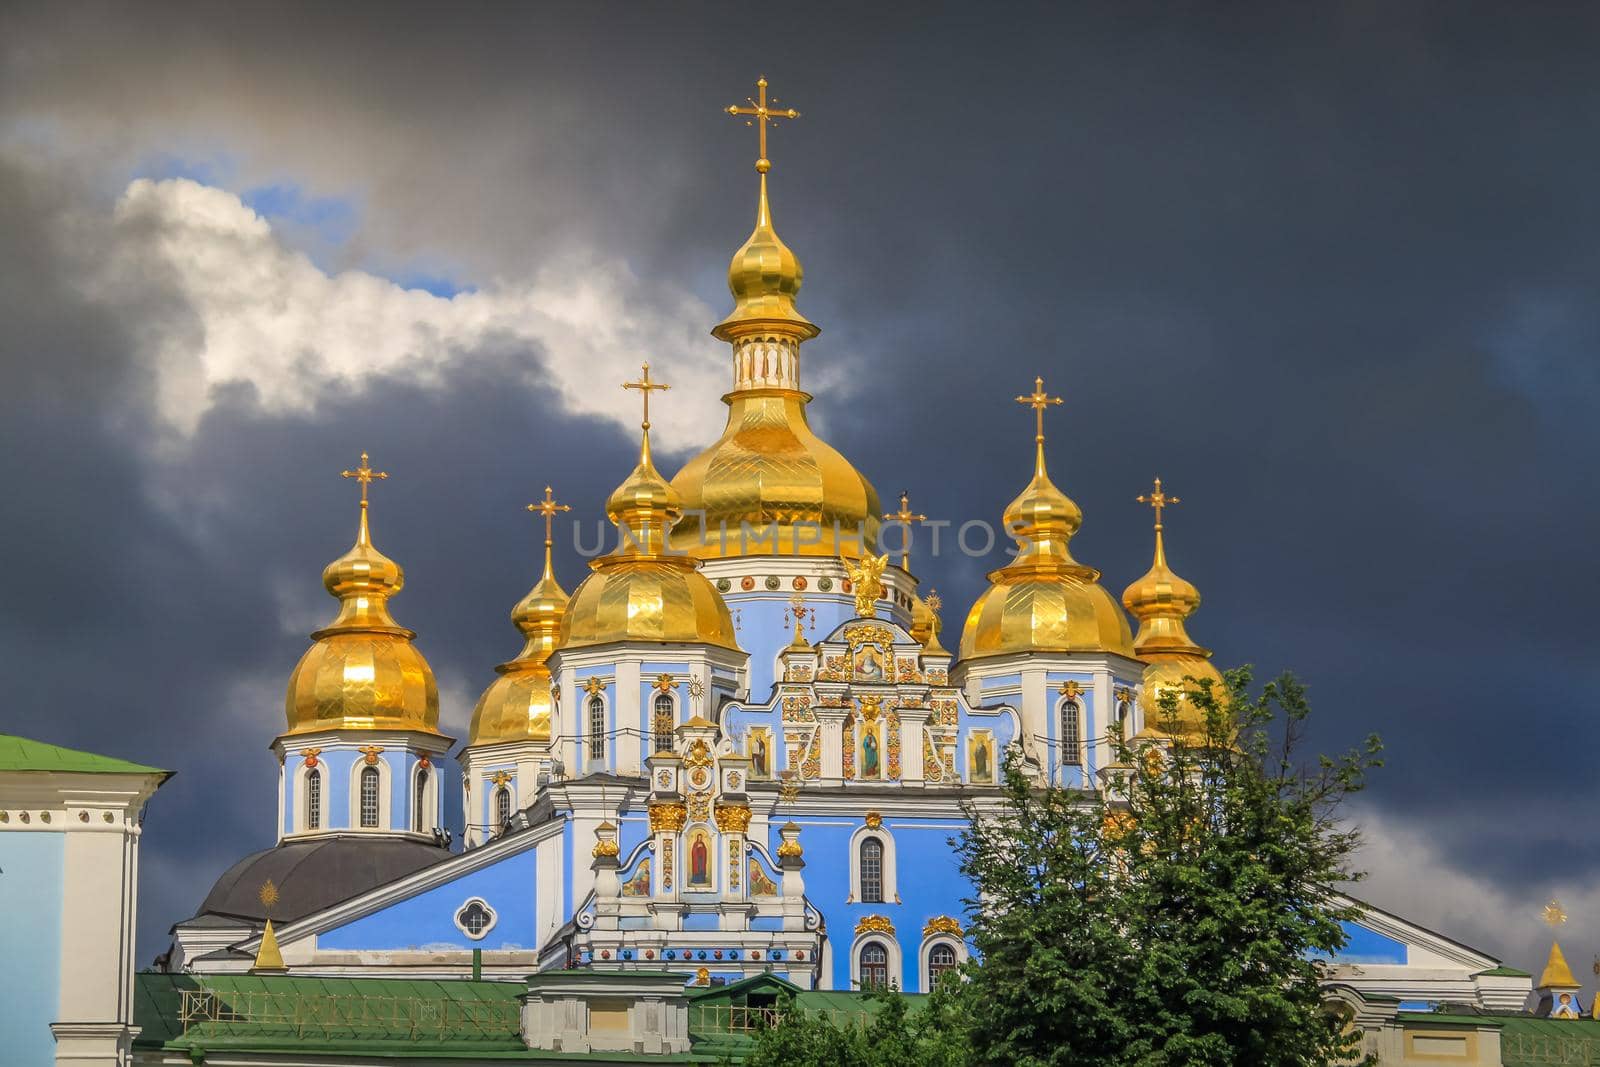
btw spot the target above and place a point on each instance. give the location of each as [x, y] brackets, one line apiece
[427, 920]
[32, 870]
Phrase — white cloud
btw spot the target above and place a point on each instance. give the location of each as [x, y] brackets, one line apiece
[1411, 876]
[264, 314]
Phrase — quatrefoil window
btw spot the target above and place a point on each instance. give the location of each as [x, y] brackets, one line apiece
[476, 918]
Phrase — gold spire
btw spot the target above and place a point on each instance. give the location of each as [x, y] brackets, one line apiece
[1557, 975]
[363, 672]
[268, 957]
[905, 517]
[1044, 600]
[765, 276]
[517, 706]
[769, 469]
[641, 591]
[1162, 601]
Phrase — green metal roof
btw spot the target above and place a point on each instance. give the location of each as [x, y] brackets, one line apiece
[24, 754]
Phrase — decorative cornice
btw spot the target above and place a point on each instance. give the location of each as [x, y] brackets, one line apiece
[874, 924]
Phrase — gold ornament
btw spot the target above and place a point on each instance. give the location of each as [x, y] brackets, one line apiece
[664, 683]
[370, 754]
[733, 820]
[867, 575]
[874, 924]
[942, 924]
[667, 818]
[874, 820]
[905, 516]
[605, 848]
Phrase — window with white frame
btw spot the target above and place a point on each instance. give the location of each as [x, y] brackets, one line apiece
[662, 722]
[874, 965]
[1071, 732]
[871, 870]
[313, 799]
[475, 918]
[941, 959]
[370, 781]
[419, 803]
[597, 727]
[502, 807]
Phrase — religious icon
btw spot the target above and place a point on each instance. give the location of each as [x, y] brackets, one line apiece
[1565, 1007]
[869, 755]
[699, 861]
[869, 667]
[981, 766]
[758, 754]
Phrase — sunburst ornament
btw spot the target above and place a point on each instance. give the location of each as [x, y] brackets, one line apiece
[1553, 915]
[267, 894]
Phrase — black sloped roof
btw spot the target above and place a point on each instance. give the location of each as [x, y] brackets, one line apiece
[312, 875]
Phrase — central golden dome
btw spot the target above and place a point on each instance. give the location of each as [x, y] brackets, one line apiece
[362, 672]
[1044, 600]
[641, 592]
[769, 469]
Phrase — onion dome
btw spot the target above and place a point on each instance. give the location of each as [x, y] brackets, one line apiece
[641, 591]
[1044, 600]
[769, 470]
[517, 706]
[1162, 601]
[363, 672]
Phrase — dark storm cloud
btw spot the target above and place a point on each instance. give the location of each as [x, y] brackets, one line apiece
[1329, 272]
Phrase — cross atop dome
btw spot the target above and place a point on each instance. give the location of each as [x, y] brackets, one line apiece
[366, 476]
[761, 114]
[1158, 500]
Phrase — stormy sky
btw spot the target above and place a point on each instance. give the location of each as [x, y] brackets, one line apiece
[1329, 271]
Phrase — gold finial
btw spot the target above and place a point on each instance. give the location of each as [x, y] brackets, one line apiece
[365, 475]
[760, 114]
[906, 516]
[1553, 915]
[934, 601]
[1039, 400]
[548, 508]
[798, 612]
[1158, 500]
[646, 386]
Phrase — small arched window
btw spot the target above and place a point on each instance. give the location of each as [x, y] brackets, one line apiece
[419, 802]
[502, 807]
[369, 798]
[874, 966]
[597, 727]
[871, 871]
[1071, 732]
[662, 722]
[313, 799]
[941, 958]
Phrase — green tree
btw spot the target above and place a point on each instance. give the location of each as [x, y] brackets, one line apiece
[1175, 918]
[893, 1035]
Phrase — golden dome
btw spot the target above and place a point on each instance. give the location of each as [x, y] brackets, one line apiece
[769, 469]
[1044, 600]
[363, 672]
[640, 592]
[1162, 601]
[517, 705]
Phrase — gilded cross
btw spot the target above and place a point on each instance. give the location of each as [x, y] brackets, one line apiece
[761, 114]
[1554, 915]
[906, 516]
[1039, 400]
[1158, 500]
[548, 508]
[365, 475]
[646, 386]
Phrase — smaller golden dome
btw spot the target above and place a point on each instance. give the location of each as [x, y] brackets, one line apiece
[1044, 600]
[641, 592]
[764, 278]
[1162, 601]
[363, 672]
[518, 706]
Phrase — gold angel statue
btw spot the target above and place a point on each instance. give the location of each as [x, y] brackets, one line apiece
[867, 577]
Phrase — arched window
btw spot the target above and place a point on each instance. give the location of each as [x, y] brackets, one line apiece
[874, 966]
[419, 802]
[941, 958]
[597, 727]
[871, 871]
[313, 799]
[661, 723]
[369, 798]
[502, 807]
[1071, 732]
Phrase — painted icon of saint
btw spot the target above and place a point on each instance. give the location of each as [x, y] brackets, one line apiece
[869, 756]
[868, 666]
[758, 755]
[699, 862]
[980, 762]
